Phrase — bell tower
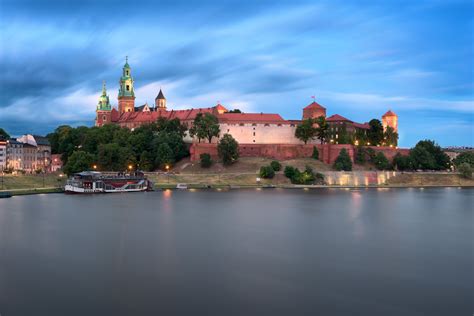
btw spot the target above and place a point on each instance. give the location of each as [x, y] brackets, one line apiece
[126, 96]
[160, 101]
[104, 110]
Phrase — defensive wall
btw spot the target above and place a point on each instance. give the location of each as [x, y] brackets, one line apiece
[327, 152]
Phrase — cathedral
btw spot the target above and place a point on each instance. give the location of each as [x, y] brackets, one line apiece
[246, 128]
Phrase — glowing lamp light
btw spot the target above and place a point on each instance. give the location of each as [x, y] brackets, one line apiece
[167, 167]
[368, 144]
[94, 166]
[130, 167]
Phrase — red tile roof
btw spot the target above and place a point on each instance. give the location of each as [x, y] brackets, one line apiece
[251, 118]
[337, 118]
[389, 113]
[315, 105]
[363, 126]
[220, 107]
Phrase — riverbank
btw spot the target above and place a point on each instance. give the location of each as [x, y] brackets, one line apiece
[33, 184]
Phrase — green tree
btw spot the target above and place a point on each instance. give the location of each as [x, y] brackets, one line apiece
[289, 172]
[114, 157]
[146, 161]
[205, 127]
[344, 136]
[78, 161]
[4, 134]
[464, 157]
[375, 133]
[305, 131]
[390, 136]
[275, 165]
[381, 162]
[360, 155]
[164, 156]
[427, 155]
[228, 149]
[234, 111]
[322, 131]
[267, 172]
[315, 154]
[402, 163]
[206, 160]
[343, 161]
[465, 169]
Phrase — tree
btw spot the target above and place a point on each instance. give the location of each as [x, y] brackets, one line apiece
[305, 131]
[164, 156]
[308, 176]
[275, 165]
[465, 169]
[206, 160]
[464, 157]
[360, 155]
[315, 154]
[343, 161]
[390, 136]
[267, 172]
[78, 161]
[4, 134]
[146, 161]
[402, 163]
[289, 172]
[114, 157]
[322, 131]
[344, 137]
[427, 155]
[381, 162]
[205, 127]
[228, 149]
[375, 132]
[234, 111]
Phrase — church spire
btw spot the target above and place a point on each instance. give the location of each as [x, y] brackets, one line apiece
[104, 104]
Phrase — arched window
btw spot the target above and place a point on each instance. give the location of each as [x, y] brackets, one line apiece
[127, 72]
[104, 118]
[128, 88]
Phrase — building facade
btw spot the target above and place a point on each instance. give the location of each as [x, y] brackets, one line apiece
[3, 154]
[246, 128]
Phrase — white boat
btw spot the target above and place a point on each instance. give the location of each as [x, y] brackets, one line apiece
[182, 186]
[96, 182]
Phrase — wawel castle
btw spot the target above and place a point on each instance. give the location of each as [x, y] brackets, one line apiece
[246, 128]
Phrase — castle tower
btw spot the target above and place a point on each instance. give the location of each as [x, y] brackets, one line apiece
[313, 110]
[160, 101]
[126, 96]
[103, 111]
[390, 119]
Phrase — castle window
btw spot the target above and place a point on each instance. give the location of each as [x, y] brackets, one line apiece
[127, 72]
[254, 124]
[128, 88]
[292, 125]
[253, 133]
[267, 124]
[279, 124]
[104, 118]
[254, 140]
[242, 124]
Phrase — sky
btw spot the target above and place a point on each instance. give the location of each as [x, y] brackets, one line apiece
[358, 58]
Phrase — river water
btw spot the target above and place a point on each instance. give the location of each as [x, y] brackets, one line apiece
[239, 252]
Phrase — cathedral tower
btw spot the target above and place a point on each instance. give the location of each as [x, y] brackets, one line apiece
[126, 96]
[160, 101]
[103, 111]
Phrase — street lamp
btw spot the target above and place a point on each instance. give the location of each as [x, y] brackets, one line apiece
[130, 167]
[95, 167]
[167, 167]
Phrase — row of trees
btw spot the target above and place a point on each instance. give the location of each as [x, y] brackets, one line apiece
[111, 147]
[319, 129]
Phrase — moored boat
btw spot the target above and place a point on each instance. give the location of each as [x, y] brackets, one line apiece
[96, 182]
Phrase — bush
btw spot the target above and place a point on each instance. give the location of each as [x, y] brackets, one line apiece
[465, 170]
[381, 162]
[315, 154]
[343, 161]
[206, 160]
[308, 176]
[275, 165]
[267, 172]
[428, 155]
[289, 172]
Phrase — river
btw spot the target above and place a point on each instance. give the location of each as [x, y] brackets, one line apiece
[239, 252]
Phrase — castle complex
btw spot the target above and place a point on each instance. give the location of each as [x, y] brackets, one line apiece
[246, 128]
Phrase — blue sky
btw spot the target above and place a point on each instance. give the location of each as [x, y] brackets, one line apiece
[359, 58]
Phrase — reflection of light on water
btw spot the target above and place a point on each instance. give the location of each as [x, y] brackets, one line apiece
[167, 194]
[306, 189]
[354, 213]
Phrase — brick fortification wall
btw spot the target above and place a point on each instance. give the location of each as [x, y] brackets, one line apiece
[327, 152]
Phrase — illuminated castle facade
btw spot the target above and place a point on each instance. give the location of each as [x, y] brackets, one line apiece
[246, 128]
